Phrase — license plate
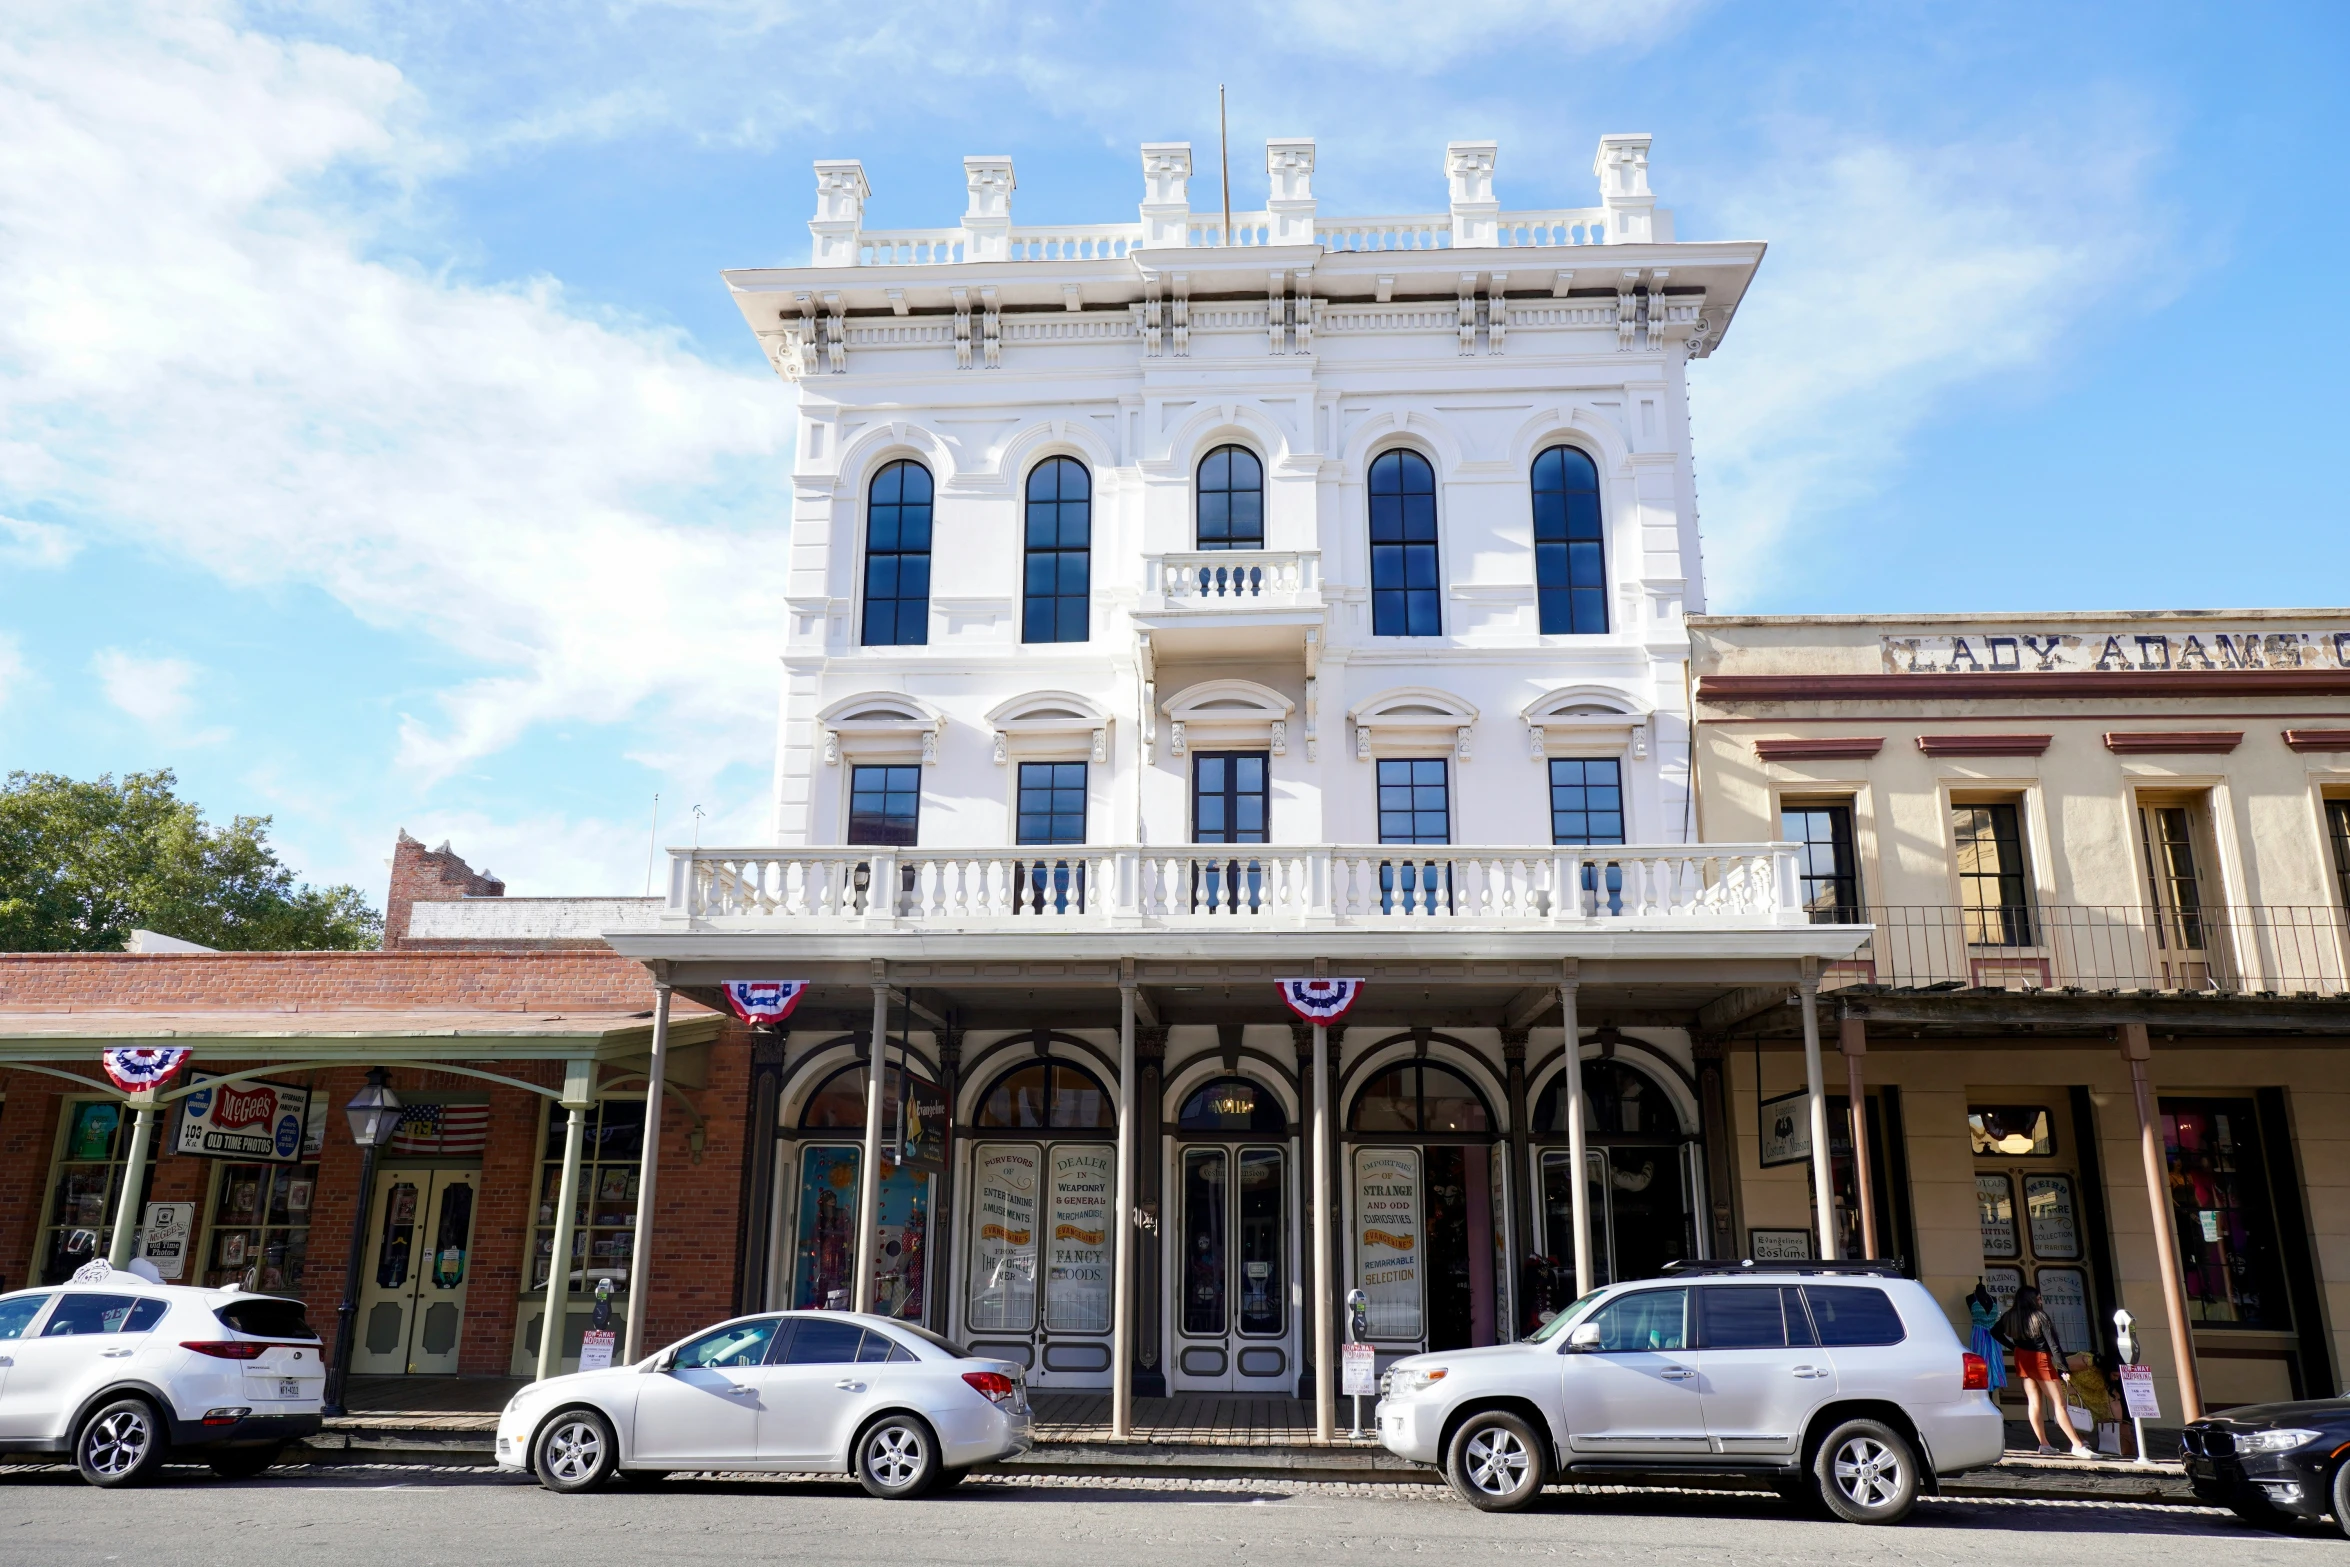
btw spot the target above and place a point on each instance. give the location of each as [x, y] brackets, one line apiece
[288, 1387]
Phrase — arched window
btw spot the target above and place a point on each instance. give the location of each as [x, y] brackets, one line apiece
[1232, 1104]
[1231, 494]
[1419, 1096]
[1048, 1094]
[897, 557]
[918, 1116]
[1618, 1101]
[1404, 595]
[1060, 552]
[1570, 563]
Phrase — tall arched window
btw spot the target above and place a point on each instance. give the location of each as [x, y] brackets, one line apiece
[1570, 564]
[897, 557]
[1403, 547]
[1045, 1095]
[1419, 1096]
[1231, 495]
[1060, 551]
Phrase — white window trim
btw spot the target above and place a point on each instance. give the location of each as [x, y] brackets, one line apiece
[1414, 721]
[1227, 714]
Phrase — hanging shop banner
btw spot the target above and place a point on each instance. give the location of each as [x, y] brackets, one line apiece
[135, 1068]
[1003, 1251]
[250, 1120]
[763, 1003]
[1784, 1128]
[1077, 1248]
[1387, 1239]
[1320, 1000]
[163, 1239]
[2048, 1205]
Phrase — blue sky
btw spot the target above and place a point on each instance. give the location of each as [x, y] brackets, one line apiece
[378, 446]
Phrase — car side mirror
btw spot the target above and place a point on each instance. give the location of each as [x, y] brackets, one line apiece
[1582, 1338]
[665, 1361]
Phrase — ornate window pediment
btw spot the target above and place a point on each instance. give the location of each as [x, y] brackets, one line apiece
[1228, 712]
[1582, 719]
[1418, 719]
[881, 724]
[1050, 720]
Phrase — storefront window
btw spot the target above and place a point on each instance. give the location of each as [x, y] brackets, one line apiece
[1048, 1095]
[826, 1249]
[2015, 1131]
[260, 1235]
[1232, 1104]
[603, 1238]
[1419, 1096]
[86, 1186]
[1388, 1253]
[2220, 1203]
[1004, 1195]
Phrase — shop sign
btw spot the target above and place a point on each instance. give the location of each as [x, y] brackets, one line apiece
[2138, 1400]
[1784, 1126]
[1779, 1245]
[1358, 1371]
[1387, 1239]
[249, 1120]
[595, 1349]
[2017, 650]
[163, 1239]
[2065, 1294]
[1003, 1250]
[1995, 1209]
[1077, 1252]
[2048, 1206]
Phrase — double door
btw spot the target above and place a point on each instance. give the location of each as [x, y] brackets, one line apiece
[412, 1284]
[1231, 1269]
[1640, 1197]
[1041, 1239]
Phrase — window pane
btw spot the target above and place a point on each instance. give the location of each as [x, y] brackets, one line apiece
[1052, 802]
[1645, 1321]
[1742, 1318]
[1586, 800]
[1849, 1314]
[816, 1342]
[1829, 870]
[2220, 1207]
[897, 557]
[1388, 1103]
[1230, 494]
[1988, 842]
[885, 804]
[1059, 533]
[1403, 554]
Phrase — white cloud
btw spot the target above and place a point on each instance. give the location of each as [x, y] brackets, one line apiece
[158, 692]
[1415, 36]
[33, 545]
[14, 676]
[209, 343]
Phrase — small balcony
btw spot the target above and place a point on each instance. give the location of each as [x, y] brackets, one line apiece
[1235, 601]
[2215, 951]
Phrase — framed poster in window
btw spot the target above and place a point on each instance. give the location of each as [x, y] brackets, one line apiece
[2002, 1283]
[2065, 1293]
[1783, 1127]
[1077, 1249]
[2048, 1209]
[1003, 1250]
[1387, 1239]
[1779, 1245]
[1995, 1208]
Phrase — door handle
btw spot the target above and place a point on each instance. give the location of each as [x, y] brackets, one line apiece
[114, 1354]
[1809, 1371]
[5, 1362]
[1677, 1375]
[739, 1388]
[850, 1385]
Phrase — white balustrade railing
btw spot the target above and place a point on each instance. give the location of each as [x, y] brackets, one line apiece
[1203, 885]
[1234, 579]
[909, 247]
[1076, 242]
[1106, 241]
[1422, 231]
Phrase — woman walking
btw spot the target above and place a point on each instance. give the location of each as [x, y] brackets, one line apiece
[2039, 1361]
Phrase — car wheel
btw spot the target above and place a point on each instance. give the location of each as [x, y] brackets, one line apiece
[1495, 1462]
[644, 1479]
[897, 1458]
[2341, 1498]
[575, 1451]
[243, 1463]
[122, 1443]
[1867, 1473]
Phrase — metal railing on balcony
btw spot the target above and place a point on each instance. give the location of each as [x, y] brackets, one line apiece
[2089, 947]
[1306, 885]
[1234, 579]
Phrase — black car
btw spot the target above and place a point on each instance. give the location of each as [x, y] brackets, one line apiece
[2271, 1461]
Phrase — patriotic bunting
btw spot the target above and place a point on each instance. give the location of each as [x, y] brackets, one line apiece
[1320, 1000]
[137, 1067]
[763, 1003]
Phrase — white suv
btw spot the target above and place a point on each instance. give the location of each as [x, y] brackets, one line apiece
[121, 1372]
[1840, 1383]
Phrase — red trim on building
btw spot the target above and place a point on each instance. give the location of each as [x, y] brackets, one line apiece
[2120, 682]
[2318, 739]
[1984, 745]
[1818, 747]
[2176, 742]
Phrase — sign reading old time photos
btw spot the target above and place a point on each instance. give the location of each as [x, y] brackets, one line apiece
[1387, 1238]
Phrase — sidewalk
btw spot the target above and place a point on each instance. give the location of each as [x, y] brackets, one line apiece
[451, 1420]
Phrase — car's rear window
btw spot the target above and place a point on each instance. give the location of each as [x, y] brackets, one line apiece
[78, 1313]
[1850, 1315]
[937, 1340]
[267, 1317]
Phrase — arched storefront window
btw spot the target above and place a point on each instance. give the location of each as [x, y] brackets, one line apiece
[1047, 1095]
[913, 1141]
[1043, 1187]
[1430, 1208]
[1419, 1096]
[1618, 1101]
[1232, 1104]
[1642, 1171]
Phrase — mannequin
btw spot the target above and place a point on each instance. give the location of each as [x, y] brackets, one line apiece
[1982, 1310]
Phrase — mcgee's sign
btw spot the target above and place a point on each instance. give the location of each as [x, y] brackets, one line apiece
[248, 1120]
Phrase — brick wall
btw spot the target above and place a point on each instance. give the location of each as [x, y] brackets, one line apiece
[527, 981]
[422, 875]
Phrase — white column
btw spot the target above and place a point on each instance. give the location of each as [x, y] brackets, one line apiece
[1122, 1231]
[869, 1171]
[578, 1084]
[1571, 1077]
[1822, 1174]
[134, 1181]
[640, 1265]
[1325, 1284]
[840, 212]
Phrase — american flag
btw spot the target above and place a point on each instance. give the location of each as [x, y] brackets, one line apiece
[441, 1131]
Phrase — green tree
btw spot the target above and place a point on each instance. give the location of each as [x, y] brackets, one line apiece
[82, 864]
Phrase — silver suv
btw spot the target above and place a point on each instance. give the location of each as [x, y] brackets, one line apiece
[1836, 1382]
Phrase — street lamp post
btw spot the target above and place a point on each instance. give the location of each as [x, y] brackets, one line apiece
[373, 1112]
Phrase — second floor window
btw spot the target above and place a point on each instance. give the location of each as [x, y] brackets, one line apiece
[1060, 552]
[1404, 592]
[1052, 802]
[1989, 842]
[1231, 500]
[1415, 801]
[885, 804]
[1570, 562]
[2338, 828]
[1586, 799]
[897, 557]
[1228, 796]
[1827, 866]
[2167, 835]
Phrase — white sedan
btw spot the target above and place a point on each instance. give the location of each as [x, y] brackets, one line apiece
[899, 1407]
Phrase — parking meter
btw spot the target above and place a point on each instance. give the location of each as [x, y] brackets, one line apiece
[603, 1313]
[2125, 1339]
[1358, 1316]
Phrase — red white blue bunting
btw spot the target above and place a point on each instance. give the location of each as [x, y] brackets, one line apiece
[763, 1003]
[136, 1067]
[1320, 1000]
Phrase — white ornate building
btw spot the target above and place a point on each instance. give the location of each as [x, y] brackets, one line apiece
[1173, 608]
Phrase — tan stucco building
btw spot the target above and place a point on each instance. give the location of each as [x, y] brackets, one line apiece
[2098, 852]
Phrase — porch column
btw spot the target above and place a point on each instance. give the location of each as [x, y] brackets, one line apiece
[1519, 1219]
[134, 1179]
[2137, 1049]
[578, 1091]
[1852, 1039]
[1822, 1173]
[1325, 1286]
[640, 1262]
[1571, 1076]
[869, 1173]
[1122, 1232]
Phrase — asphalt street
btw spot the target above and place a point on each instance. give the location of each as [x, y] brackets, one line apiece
[419, 1518]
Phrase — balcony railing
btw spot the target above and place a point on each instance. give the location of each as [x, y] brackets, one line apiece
[2277, 951]
[1207, 885]
[1235, 579]
[1554, 228]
